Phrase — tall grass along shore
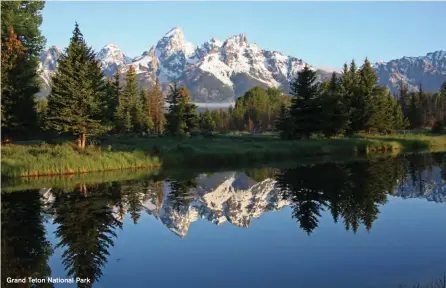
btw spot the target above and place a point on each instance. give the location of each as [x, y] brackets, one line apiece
[115, 153]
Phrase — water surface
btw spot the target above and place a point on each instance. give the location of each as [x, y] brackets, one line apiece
[375, 223]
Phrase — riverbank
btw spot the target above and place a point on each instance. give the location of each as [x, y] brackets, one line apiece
[125, 152]
[66, 159]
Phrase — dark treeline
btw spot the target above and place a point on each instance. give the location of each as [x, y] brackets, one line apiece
[424, 109]
[84, 103]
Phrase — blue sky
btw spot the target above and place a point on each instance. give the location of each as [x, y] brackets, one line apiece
[324, 34]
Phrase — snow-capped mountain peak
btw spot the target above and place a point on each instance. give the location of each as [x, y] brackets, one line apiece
[49, 58]
[174, 42]
[111, 57]
[175, 32]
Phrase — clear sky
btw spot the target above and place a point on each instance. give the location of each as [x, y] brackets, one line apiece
[324, 34]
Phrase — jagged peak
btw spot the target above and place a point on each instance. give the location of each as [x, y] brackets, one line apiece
[239, 38]
[437, 54]
[176, 31]
[215, 41]
[111, 46]
[54, 47]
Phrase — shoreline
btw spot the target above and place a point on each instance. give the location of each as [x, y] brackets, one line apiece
[137, 153]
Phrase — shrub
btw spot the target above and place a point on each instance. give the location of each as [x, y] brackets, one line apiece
[439, 127]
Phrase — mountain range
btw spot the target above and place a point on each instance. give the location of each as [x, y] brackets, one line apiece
[221, 71]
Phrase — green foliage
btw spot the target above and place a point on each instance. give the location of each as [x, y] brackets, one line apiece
[423, 109]
[443, 88]
[305, 110]
[41, 108]
[258, 108]
[335, 115]
[21, 43]
[399, 121]
[182, 117]
[155, 109]
[283, 123]
[77, 92]
[206, 124]
[439, 127]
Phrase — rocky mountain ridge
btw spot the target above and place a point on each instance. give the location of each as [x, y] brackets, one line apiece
[221, 71]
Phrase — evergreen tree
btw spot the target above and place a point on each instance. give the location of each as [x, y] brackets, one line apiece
[155, 108]
[207, 124]
[132, 95]
[21, 44]
[147, 107]
[377, 111]
[128, 123]
[345, 80]
[305, 111]
[113, 92]
[159, 119]
[368, 78]
[404, 96]
[102, 91]
[364, 94]
[117, 88]
[174, 124]
[443, 88]
[399, 121]
[283, 123]
[354, 75]
[414, 113]
[335, 112]
[119, 114]
[190, 111]
[77, 92]
[181, 117]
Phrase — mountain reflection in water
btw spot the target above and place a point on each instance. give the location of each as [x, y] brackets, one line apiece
[86, 219]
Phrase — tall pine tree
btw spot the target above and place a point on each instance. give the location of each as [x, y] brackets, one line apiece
[335, 111]
[181, 117]
[362, 101]
[443, 88]
[134, 106]
[283, 123]
[157, 102]
[77, 92]
[21, 44]
[305, 111]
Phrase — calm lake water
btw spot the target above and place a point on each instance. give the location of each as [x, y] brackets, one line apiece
[375, 223]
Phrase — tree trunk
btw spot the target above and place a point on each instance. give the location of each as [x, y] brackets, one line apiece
[79, 142]
[83, 140]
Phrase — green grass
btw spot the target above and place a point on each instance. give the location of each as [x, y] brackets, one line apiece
[127, 151]
[38, 160]
[225, 150]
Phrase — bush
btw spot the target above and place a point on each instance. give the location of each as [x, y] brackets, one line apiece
[439, 127]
